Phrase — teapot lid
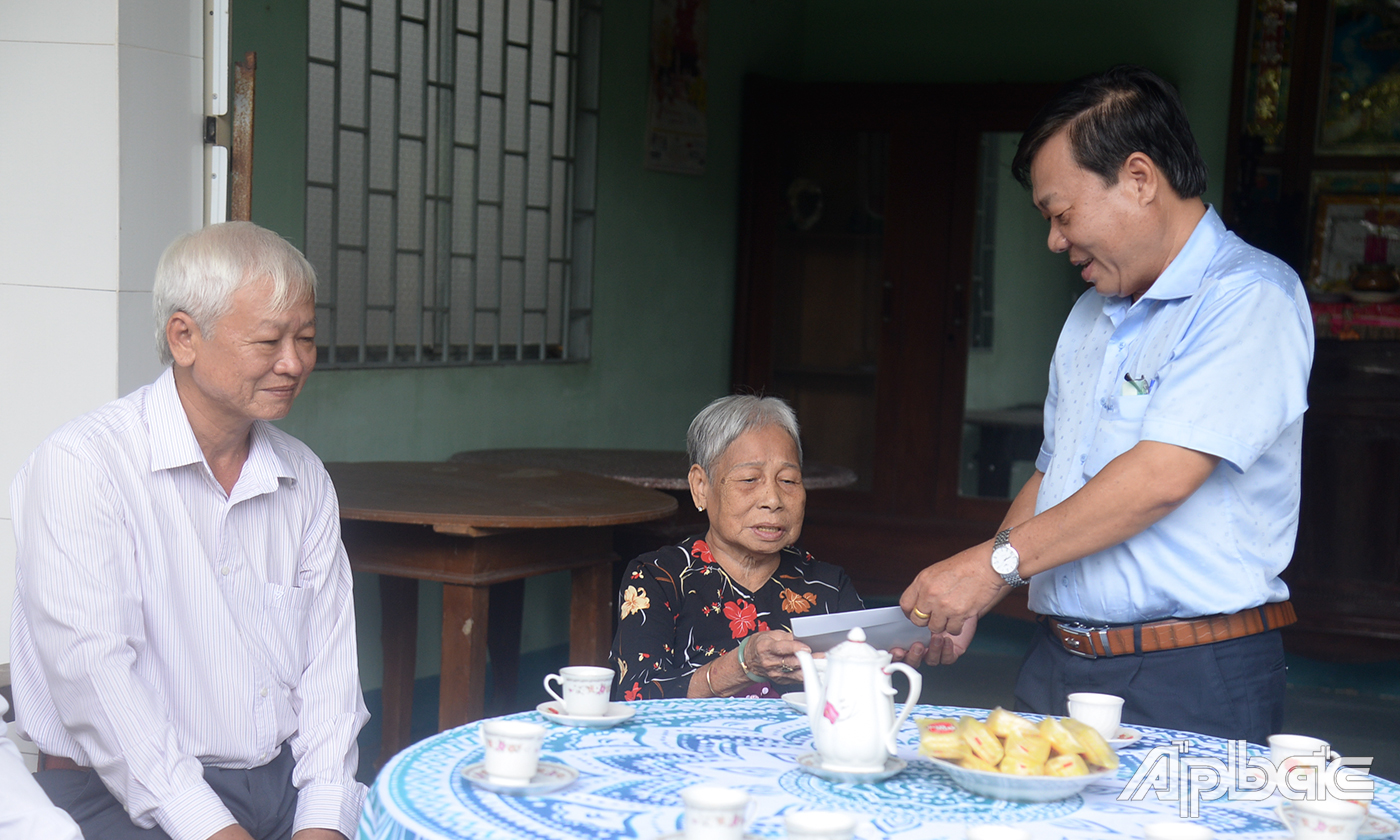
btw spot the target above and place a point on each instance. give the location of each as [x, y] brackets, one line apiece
[854, 648]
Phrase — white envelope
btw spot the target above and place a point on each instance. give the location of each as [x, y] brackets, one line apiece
[885, 627]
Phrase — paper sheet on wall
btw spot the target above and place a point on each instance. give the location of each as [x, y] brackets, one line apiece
[677, 93]
[885, 627]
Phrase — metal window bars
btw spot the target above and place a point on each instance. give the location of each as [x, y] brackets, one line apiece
[450, 179]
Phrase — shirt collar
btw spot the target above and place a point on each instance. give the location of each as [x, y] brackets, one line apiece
[173, 443]
[1183, 275]
[1186, 271]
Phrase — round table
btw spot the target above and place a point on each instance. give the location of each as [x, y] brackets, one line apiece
[479, 528]
[631, 777]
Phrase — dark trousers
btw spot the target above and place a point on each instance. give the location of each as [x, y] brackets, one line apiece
[262, 800]
[1232, 690]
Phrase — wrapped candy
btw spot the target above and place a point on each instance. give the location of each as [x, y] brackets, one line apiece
[972, 762]
[1069, 764]
[1094, 748]
[980, 740]
[939, 738]
[1004, 724]
[1014, 766]
[1031, 747]
[1060, 737]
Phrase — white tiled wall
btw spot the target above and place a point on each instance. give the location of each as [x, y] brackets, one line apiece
[58, 164]
[72, 21]
[162, 152]
[101, 166]
[166, 25]
[137, 361]
[69, 338]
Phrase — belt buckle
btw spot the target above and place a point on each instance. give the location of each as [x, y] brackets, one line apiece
[1079, 638]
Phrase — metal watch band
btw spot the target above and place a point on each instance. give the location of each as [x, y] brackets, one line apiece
[1003, 540]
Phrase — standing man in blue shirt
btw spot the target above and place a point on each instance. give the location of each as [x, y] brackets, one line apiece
[1164, 503]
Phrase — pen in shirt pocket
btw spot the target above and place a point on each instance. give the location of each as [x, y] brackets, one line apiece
[1136, 387]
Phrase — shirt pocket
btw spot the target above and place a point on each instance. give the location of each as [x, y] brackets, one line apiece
[288, 613]
[1119, 429]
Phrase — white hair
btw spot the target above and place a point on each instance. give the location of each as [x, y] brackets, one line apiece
[721, 422]
[201, 271]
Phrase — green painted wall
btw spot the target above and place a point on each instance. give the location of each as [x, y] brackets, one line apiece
[1032, 292]
[276, 31]
[1191, 43]
[665, 247]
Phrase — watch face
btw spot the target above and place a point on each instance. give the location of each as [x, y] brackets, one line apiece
[1005, 560]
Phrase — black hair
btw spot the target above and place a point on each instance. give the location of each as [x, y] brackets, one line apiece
[1109, 116]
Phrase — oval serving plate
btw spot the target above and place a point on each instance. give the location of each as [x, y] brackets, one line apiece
[1017, 788]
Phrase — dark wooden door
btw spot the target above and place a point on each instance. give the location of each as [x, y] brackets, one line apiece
[856, 249]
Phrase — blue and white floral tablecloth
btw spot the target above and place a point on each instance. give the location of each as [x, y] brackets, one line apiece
[630, 779]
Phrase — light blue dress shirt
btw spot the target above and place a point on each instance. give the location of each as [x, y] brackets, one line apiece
[1223, 343]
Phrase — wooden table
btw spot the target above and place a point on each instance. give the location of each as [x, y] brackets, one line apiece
[654, 468]
[470, 526]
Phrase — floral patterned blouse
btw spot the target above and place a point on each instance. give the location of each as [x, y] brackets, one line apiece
[680, 610]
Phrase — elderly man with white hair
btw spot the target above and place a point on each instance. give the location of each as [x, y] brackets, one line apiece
[183, 633]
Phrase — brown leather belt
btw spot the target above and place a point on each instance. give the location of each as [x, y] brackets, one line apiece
[59, 762]
[1092, 642]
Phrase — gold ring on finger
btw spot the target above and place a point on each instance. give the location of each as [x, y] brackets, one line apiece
[921, 615]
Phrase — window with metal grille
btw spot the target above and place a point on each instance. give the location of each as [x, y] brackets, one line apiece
[450, 163]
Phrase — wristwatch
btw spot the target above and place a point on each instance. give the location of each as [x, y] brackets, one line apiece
[1005, 561]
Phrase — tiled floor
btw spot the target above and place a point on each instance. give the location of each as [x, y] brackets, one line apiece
[1355, 707]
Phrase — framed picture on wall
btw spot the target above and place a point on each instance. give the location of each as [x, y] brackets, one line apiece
[1352, 230]
[1361, 80]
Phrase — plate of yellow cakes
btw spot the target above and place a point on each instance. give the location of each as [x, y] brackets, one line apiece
[1010, 757]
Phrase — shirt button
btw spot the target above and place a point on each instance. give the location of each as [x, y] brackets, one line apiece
[225, 571]
[262, 757]
[263, 692]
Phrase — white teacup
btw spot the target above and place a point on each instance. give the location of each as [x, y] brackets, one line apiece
[1103, 712]
[819, 825]
[997, 832]
[512, 750]
[1177, 831]
[1299, 759]
[586, 689]
[714, 813]
[1323, 819]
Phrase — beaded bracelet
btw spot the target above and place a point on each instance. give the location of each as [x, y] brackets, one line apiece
[745, 668]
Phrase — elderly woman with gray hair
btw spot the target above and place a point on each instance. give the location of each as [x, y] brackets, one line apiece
[711, 617]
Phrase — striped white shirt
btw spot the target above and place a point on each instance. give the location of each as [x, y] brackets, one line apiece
[160, 624]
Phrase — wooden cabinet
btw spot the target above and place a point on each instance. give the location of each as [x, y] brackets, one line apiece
[856, 248]
[1345, 574]
[1288, 149]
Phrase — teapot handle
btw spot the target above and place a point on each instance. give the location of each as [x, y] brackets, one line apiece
[916, 685]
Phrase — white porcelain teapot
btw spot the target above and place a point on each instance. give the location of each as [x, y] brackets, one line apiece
[850, 705]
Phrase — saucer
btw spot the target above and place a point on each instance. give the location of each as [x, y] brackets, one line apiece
[797, 700]
[812, 763]
[1376, 826]
[1125, 737]
[553, 711]
[548, 777]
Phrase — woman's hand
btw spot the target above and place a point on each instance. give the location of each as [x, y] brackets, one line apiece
[942, 648]
[773, 654]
